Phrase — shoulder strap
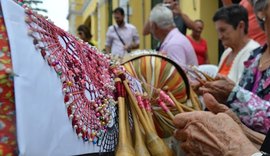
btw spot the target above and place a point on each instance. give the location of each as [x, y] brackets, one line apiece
[119, 36]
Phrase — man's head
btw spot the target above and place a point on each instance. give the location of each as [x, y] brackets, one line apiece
[119, 15]
[161, 18]
[231, 23]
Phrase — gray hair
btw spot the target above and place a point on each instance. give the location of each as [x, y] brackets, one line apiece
[259, 5]
[162, 16]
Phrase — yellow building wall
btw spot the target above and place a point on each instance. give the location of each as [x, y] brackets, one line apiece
[191, 8]
[102, 24]
[76, 6]
[94, 25]
[79, 21]
[147, 8]
[90, 9]
[208, 9]
[140, 10]
[115, 4]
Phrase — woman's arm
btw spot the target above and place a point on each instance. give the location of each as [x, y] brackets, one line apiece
[251, 109]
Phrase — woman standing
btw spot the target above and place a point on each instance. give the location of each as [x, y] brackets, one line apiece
[199, 44]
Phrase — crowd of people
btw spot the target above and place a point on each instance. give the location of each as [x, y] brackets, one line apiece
[242, 87]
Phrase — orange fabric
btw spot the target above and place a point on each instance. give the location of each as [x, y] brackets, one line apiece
[254, 30]
[225, 69]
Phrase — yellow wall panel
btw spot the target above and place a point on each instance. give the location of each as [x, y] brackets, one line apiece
[140, 11]
[103, 24]
[89, 9]
[136, 17]
[208, 9]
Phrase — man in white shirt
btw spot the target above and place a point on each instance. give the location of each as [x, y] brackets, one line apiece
[122, 37]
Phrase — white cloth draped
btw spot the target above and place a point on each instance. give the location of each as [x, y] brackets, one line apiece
[43, 127]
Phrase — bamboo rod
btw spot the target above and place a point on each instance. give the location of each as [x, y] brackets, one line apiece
[179, 108]
[129, 137]
[186, 108]
[139, 145]
[124, 148]
[194, 99]
[149, 113]
[155, 145]
[145, 116]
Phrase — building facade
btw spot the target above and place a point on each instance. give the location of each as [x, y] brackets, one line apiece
[97, 14]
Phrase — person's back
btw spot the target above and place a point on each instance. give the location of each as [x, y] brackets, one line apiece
[178, 48]
[173, 43]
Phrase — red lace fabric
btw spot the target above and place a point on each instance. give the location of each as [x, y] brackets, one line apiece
[8, 144]
[87, 81]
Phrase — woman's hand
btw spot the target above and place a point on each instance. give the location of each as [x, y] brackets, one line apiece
[220, 88]
[215, 107]
[205, 133]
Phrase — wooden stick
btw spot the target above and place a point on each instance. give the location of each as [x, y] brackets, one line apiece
[170, 114]
[194, 99]
[197, 71]
[124, 148]
[186, 108]
[139, 145]
[129, 137]
[155, 145]
[145, 115]
[149, 113]
[179, 108]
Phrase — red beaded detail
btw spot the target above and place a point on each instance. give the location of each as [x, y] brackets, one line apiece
[87, 81]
